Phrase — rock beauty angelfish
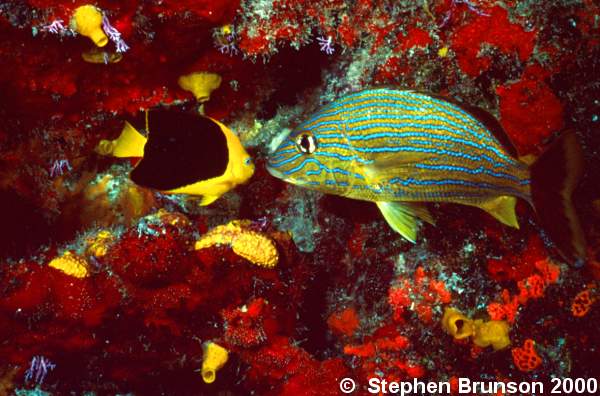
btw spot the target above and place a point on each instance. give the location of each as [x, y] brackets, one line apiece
[183, 153]
[401, 148]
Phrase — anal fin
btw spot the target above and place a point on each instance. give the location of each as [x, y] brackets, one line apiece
[208, 199]
[502, 208]
[402, 217]
[419, 209]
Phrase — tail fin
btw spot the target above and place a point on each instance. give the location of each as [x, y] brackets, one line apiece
[554, 176]
[130, 144]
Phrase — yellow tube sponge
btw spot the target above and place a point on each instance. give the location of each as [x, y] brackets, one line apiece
[456, 324]
[201, 84]
[215, 357]
[493, 332]
[87, 21]
[71, 265]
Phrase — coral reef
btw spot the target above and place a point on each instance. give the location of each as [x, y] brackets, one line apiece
[112, 288]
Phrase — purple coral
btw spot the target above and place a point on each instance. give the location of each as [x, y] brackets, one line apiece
[114, 35]
[469, 5]
[58, 167]
[38, 369]
[56, 27]
[326, 44]
[228, 46]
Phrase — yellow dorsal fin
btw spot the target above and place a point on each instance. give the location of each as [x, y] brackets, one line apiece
[130, 143]
[503, 209]
[402, 217]
[528, 159]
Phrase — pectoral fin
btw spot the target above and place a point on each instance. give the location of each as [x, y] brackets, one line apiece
[402, 217]
[385, 167]
[503, 209]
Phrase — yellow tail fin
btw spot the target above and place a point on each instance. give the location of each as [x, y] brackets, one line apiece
[130, 143]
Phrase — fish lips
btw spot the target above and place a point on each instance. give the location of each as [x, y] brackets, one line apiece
[280, 175]
[275, 173]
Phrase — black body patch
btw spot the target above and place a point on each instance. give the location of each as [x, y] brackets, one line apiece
[182, 149]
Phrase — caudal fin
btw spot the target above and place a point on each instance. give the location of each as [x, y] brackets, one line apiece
[554, 176]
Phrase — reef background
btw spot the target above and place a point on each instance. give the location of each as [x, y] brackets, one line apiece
[348, 297]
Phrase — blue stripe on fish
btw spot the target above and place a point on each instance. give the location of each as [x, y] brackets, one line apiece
[415, 150]
[290, 159]
[415, 133]
[336, 183]
[314, 124]
[344, 157]
[321, 167]
[422, 101]
[479, 170]
[412, 181]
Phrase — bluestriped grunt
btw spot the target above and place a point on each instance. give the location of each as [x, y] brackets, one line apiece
[401, 149]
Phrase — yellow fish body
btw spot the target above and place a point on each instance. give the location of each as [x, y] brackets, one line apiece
[183, 154]
[402, 148]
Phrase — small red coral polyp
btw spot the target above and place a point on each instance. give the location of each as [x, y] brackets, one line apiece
[347, 32]
[245, 326]
[583, 302]
[419, 295]
[526, 358]
[415, 37]
[255, 44]
[219, 12]
[517, 265]
[495, 29]
[344, 322]
[521, 105]
[145, 260]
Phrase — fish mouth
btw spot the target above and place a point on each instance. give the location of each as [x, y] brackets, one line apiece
[275, 173]
[280, 175]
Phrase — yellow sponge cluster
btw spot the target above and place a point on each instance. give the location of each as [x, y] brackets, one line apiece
[215, 357]
[71, 265]
[492, 333]
[249, 244]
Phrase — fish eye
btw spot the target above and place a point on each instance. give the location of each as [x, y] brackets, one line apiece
[306, 143]
[248, 161]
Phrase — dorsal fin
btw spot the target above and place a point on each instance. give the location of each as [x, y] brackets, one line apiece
[488, 120]
[493, 125]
